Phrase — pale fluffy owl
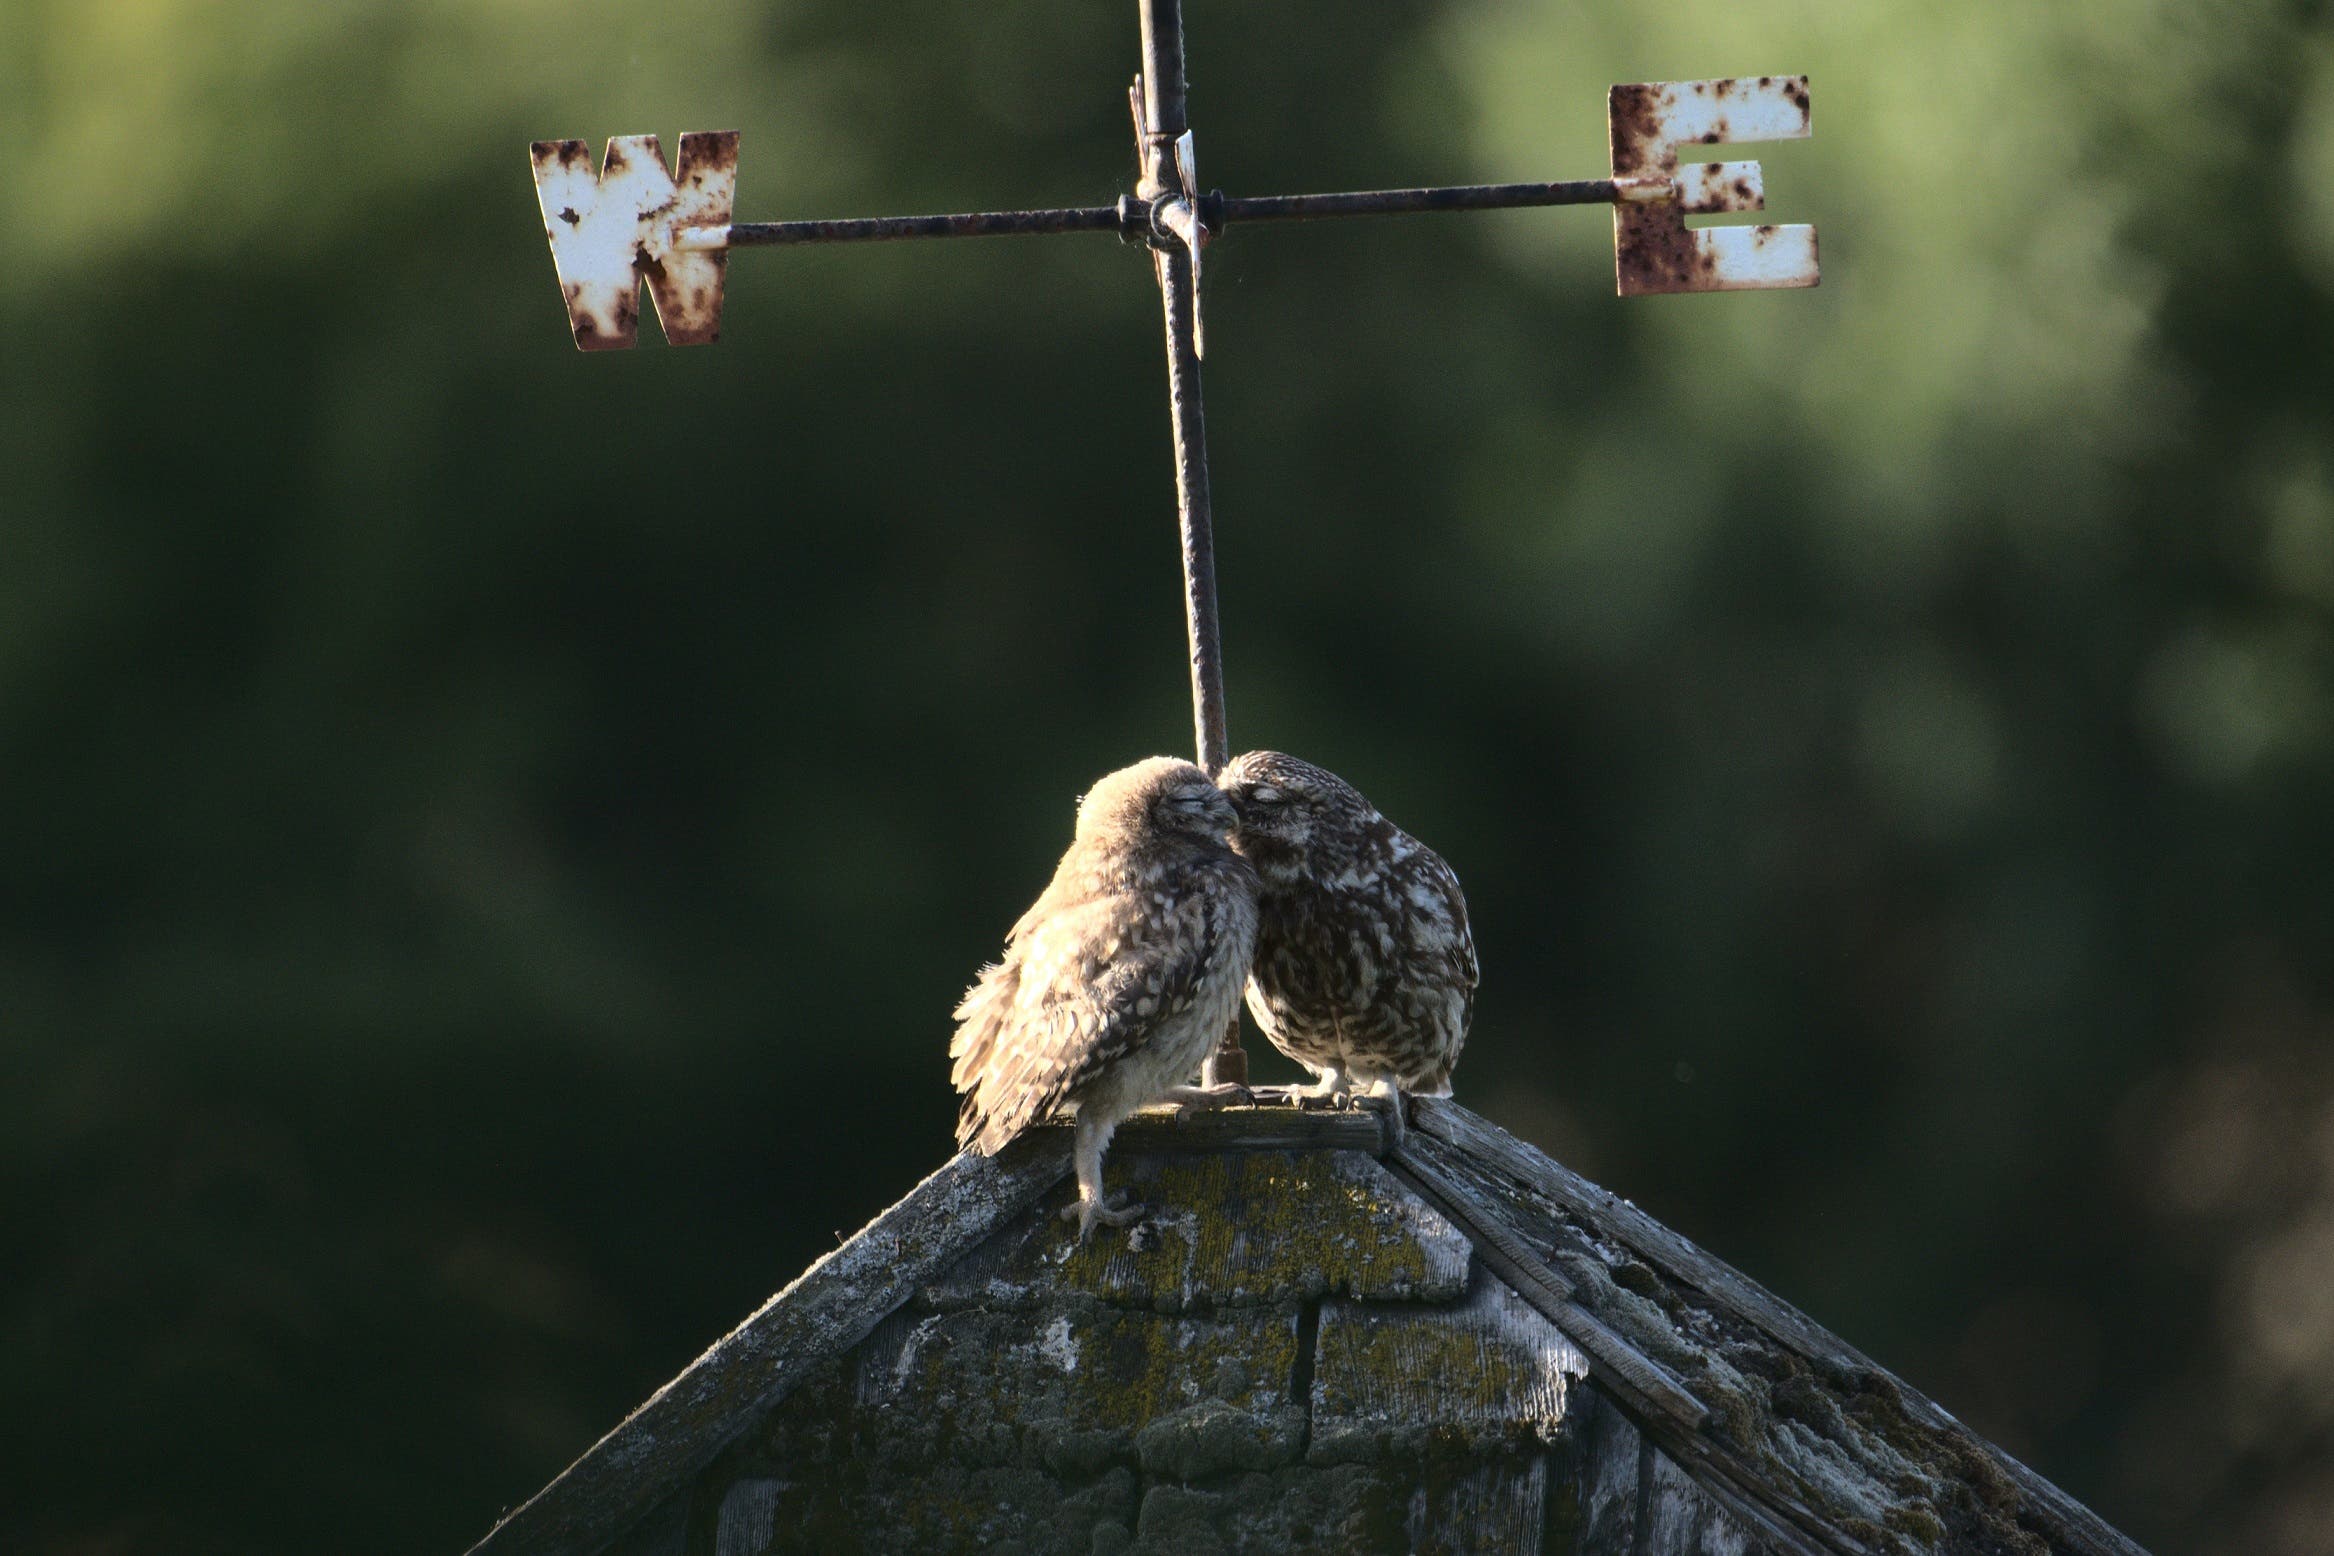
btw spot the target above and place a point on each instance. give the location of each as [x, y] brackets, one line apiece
[1119, 979]
[1365, 970]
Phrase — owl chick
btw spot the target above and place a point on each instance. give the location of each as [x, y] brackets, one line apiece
[1119, 979]
[1365, 970]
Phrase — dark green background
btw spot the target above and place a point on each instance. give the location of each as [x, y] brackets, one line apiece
[493, 835]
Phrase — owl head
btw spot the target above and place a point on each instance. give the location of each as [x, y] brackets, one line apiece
[1291, 811]
[1160, 797]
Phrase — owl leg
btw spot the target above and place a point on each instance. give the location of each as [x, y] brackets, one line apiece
[1093, 1138]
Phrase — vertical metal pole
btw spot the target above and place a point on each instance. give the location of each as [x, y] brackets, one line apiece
[1164, 119]
[1164, 116]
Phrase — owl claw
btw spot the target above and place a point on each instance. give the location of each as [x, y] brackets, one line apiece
[1122, 1211]
[1304, 1097]
[1206, 1099]
[1328, 1092]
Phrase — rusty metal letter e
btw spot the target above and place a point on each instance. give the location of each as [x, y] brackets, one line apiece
[1653, 248]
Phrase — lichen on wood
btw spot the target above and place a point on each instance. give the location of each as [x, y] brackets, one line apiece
[1228, 1230]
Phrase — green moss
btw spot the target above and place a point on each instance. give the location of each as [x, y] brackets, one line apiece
[1259, 1226]
[1865, 1532]
[1918, 1521]
[1734, 1416]
[1176, 1521]
[1452, 1362]
[1076, 1454]
[1640, 1319]
[1213, 1438]
[1630, 1275]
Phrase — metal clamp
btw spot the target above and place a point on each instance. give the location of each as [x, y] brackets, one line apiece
[1177, 218]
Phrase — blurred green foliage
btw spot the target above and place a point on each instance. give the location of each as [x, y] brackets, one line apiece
[495, 834]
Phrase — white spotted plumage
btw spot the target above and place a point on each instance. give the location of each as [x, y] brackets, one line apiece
[1365, 968]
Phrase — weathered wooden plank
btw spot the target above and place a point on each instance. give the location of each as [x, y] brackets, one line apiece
[1648, 1393]
[1612, 1462]
[1227, 1229]
[748, 1518]
[1621, 1220]
[1488, 1372]
[662, 1531]
[1683, 1519]
[833, 1306]
[1499, 1507]
[1276, 1128]
[2071, 1525]
[1619, 1366]
[839, 1301]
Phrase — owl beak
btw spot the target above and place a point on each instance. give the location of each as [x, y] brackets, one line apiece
[1223, 816]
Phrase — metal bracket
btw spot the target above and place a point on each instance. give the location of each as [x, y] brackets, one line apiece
[1179, 215]
[635, 222]
[1653, 249]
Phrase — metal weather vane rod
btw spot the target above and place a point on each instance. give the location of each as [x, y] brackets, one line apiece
[1164, 151]
[891, 229]
[632, 222]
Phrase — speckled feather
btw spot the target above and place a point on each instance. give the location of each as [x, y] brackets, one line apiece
[1364, 962]
[1119, 979]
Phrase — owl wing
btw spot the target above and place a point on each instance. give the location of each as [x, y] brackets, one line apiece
[1440, 983]
[1444, 882]
[1080, 987]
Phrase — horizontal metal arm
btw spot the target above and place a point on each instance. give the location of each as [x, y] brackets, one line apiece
[1131, 218]
[1401, 202]
[972, 224]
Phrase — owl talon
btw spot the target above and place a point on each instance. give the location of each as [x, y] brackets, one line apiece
[1189, 1100]
[1123, 1211]
[1328, 1092]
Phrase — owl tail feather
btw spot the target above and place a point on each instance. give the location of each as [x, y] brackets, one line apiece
[972, 1128]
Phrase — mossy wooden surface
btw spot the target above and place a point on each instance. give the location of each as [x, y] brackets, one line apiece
[1229, 1230]
[1828, 1439]
[1483, 1373]
[1165, 1389]
[1299, 1347]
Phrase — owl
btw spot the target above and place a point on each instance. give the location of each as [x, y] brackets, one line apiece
[1118, 980]
[1365, 970]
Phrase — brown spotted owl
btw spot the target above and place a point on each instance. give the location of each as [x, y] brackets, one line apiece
[1119, 979]
[1365, 970]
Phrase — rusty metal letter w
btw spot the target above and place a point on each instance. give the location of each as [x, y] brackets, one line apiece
[635, 222]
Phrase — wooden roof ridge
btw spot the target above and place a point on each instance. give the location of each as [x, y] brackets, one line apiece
[2013, 1498]
[837, 1302]
[1813, 1451]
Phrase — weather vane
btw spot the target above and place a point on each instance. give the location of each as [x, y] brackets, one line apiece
[634, 221]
